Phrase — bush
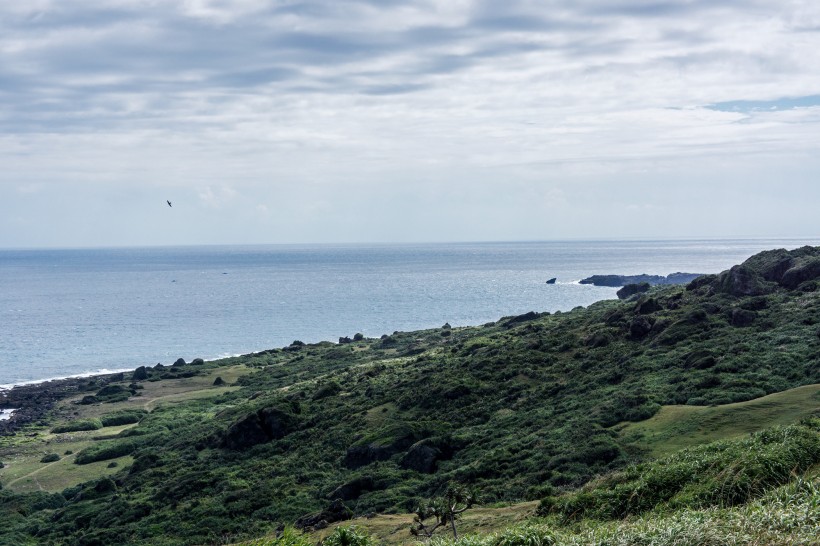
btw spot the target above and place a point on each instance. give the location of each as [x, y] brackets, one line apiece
[125, 417]
[104, 452]
[347, 536]
[78, 426]
[50, 458]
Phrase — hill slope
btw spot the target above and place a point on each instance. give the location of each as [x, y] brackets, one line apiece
[523, 408]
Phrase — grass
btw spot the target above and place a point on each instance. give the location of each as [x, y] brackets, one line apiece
[677, 427]
[24, 473]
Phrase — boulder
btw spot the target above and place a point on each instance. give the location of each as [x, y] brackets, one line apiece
[742, 280]
[552, 280]
[258, 428]
[598, 339]
[639, 328]
[336, 511]
[179, 362]
[631, 289]
[421, 457]
[646, 306]
[140, 374]
[218, 382]
[197, 362]
[345, 340]
[806, 271]
[353, 489]
[358, 456]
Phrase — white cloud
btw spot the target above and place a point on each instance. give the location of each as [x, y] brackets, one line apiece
[247, 102]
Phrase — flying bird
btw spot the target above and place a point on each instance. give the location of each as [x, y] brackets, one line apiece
[169, 203]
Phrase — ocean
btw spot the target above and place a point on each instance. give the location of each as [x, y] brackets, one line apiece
[82, 311]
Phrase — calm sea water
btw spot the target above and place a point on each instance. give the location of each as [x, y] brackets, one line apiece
[67, 312]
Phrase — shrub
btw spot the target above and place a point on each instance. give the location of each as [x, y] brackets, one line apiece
[125, 417]
[50, 458]
[104, 452]
[347, 536]
[78, 425]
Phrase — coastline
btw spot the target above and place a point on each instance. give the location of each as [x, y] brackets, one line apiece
[29, 403]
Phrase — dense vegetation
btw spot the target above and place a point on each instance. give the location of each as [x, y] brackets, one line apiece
[526, 408]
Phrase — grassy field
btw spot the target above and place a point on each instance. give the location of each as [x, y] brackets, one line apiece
[676, 427]
[25, 473]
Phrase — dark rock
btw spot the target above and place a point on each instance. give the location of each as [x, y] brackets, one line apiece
[358, 337]
[742, 317]
[806, 271]
[552, 280]
[614, 318]
[358, 456]
[353, 489]
[336, 511]
[197, 362]
[700, 282]
[345, 340]
[598, 339]
[630, 290]
[647, 306]
[421, 457]
[179, 362]
[532, 315]
[640, 328]
[140, 374]
[218, 382]
[742, 280]
[446, 326]
[258, 428]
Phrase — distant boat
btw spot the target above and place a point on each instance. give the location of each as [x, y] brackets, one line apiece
[552, 280]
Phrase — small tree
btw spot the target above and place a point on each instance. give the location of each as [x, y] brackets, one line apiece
[443, 510]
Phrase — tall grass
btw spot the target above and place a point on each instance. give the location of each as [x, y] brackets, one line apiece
[722, 474]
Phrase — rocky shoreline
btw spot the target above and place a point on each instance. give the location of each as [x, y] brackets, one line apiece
[31, 403]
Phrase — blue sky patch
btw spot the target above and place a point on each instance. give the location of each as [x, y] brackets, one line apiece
[746, 106]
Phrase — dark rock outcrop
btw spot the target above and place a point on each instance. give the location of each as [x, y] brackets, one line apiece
[647, 306]
[140, 374]
[336, 511]
[421, 457]
[767, 271]
[353, 489]
[552, 280]
[526, 317]
[258, 428]
[630, 290]
[639, 328]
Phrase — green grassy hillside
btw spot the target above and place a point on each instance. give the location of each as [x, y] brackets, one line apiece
[524, 408]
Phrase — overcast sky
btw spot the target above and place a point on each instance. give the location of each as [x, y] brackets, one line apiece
[293, 121]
